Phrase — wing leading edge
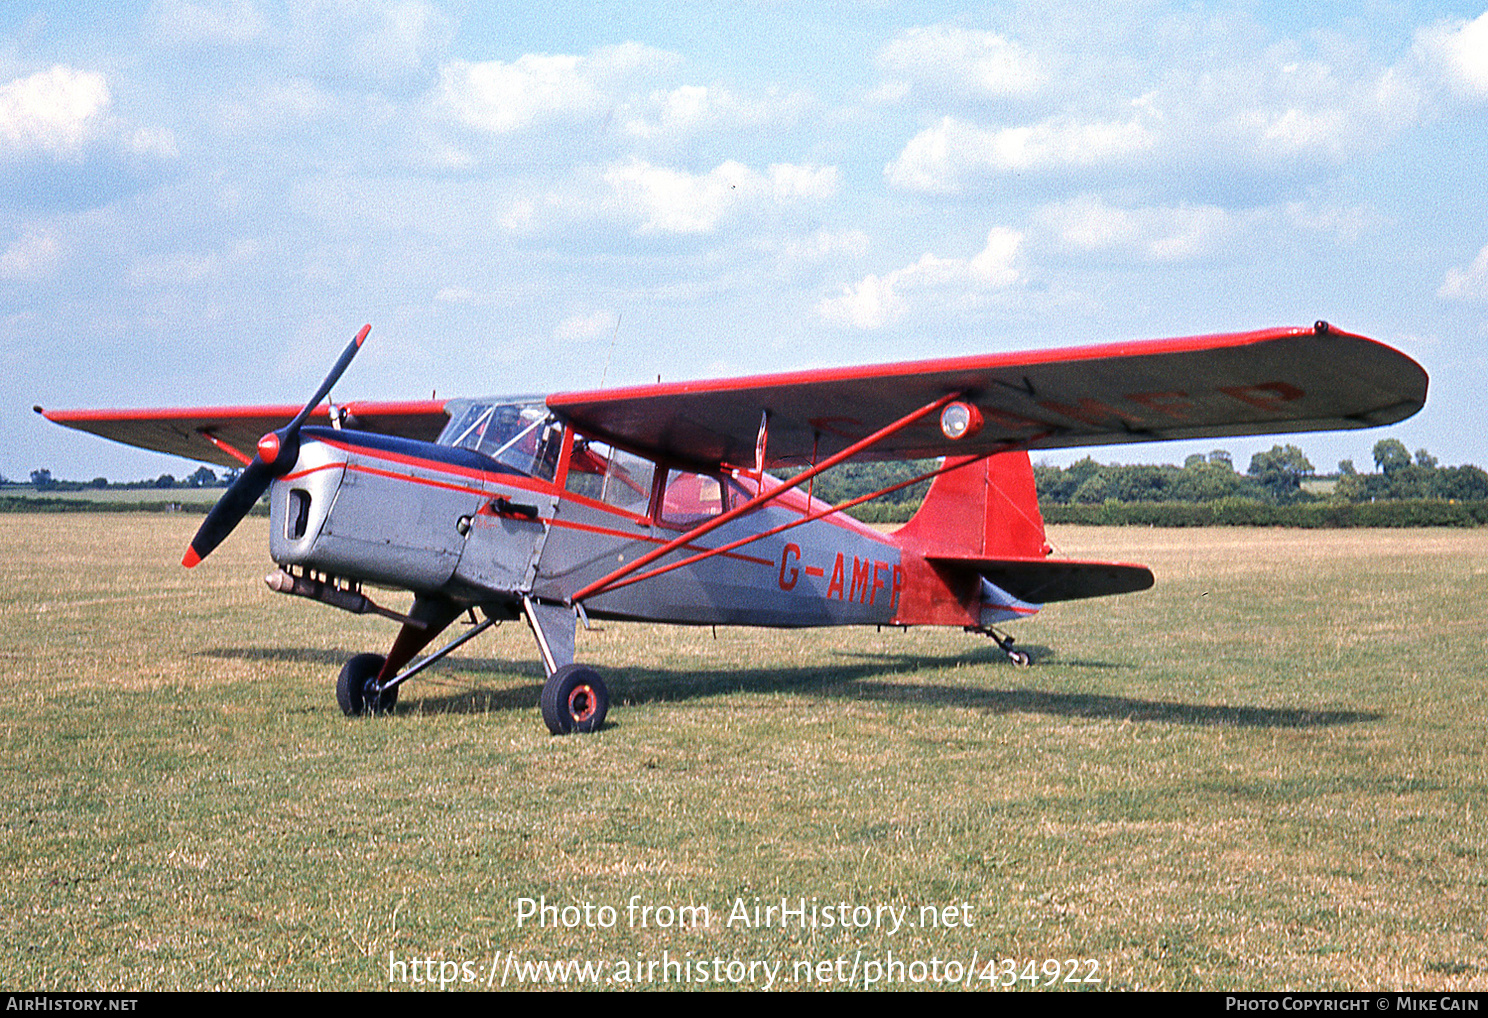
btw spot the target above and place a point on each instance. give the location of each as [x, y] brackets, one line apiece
[1255, 383]
[202, 433]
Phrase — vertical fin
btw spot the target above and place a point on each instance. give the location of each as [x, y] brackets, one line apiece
[980, 508]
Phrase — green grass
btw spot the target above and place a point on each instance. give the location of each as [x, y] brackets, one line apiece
[1266, 773]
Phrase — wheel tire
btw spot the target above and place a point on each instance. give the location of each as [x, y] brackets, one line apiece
[574, 699]
[1019, 658]
[352, 692]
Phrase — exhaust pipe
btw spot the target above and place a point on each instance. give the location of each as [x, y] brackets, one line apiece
[353, 601]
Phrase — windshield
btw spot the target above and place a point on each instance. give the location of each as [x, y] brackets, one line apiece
[519, 433]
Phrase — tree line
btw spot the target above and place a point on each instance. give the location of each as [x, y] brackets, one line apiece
[1274, 477]
[1279, 487]
[202, 477]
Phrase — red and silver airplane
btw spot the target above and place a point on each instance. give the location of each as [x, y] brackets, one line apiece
[655, 502]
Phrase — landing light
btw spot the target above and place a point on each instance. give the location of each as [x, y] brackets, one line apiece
[960, 420]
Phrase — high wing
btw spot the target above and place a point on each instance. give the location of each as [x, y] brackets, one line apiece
[203, 432]
[1255, 383]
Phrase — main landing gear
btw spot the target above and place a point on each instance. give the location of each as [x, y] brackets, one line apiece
[574, 699]
[357, 690]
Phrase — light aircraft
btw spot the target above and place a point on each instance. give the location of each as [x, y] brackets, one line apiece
[655, 502]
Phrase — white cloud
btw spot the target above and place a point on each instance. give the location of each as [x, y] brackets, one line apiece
[158, 142]
[1231, 105]
[678, 113]
[789, 181]
[1284, 108]
[946, 157]
[1459, 51]
[871, 304]
[1087, 224]
[1469, 284]
[876, 301]
[501, 98]
[593, 325]
[1344, 223]
[56, 112]
[33, 256]
[535, 89]
[960, 60]
[674, 201]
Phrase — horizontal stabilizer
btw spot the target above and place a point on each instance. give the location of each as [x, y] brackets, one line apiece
[1043, 581]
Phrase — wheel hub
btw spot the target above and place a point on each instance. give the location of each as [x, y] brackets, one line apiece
[581, 703]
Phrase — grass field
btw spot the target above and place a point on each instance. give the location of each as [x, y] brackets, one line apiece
[1267, 773]
[193, 498]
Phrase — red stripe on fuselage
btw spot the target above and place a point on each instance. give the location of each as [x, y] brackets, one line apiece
[589, 528]
[437, 467]
[794, 499]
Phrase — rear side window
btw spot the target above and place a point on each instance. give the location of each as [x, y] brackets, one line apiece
[688, 499]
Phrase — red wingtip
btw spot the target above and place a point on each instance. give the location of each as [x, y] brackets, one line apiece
[361, 337]
[191, 559]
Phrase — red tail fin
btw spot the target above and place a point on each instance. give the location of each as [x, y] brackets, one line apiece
[983, 509]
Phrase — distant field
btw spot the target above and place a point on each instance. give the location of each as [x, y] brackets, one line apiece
[1267, 773]
[184, 496]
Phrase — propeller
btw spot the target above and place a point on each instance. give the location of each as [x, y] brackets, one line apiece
[277, 453]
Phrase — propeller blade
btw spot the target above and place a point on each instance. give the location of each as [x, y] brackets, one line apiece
[229, 511]
[342, 363]
[277, 452]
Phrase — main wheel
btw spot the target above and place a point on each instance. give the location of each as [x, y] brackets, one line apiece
[574, 699]
[356, 690]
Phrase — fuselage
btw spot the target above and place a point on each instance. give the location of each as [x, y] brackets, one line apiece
[509, 504]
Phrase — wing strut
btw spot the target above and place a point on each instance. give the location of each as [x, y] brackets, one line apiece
[610, 580]
[810, 517]
[247, 461]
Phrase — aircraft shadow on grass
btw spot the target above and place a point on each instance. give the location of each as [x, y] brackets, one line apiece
[858, 676]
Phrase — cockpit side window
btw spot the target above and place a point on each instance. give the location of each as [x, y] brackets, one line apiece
[613, 476]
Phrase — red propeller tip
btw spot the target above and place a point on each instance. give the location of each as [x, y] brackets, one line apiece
[191, 559]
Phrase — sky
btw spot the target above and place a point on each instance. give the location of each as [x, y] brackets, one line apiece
[201, 201]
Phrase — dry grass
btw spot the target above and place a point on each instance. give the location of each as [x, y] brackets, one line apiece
[1267, 773]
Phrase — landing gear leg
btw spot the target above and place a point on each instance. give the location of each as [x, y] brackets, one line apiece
[1019, 658]
[367, 684]
[574, 698]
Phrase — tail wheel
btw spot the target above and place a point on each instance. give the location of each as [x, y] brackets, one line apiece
[574, 699]
[356, 687]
